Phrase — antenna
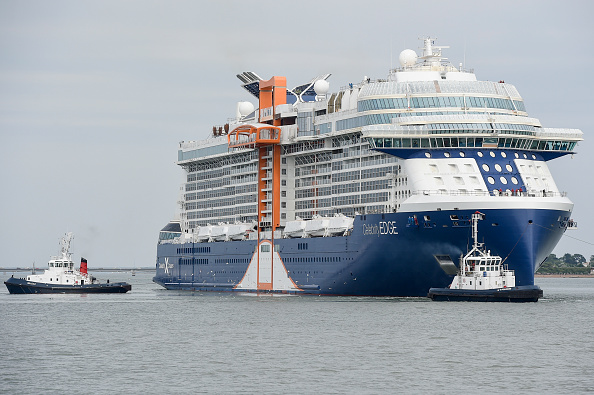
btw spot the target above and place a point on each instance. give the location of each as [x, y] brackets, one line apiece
[391, 50]
[464, 57]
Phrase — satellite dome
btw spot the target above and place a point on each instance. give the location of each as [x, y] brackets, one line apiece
[407, 58]
[321, 87]
[245, 108]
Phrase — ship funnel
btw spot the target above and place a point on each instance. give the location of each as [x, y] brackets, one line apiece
[83, 265]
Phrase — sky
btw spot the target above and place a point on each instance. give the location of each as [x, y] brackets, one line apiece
[96, 95]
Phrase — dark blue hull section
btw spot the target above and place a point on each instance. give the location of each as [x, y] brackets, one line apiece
[385, 255]
[22, 286]
[526, 293]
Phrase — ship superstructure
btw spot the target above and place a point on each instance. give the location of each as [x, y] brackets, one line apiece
[366, 191]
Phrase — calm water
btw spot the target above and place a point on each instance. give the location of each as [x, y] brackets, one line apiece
[156, 341]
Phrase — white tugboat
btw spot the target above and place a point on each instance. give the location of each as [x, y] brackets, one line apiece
[62, 277]
[483, 277]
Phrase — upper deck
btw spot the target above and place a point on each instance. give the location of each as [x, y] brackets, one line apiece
[341, 151]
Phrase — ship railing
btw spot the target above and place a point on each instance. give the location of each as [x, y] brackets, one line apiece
[515, 193]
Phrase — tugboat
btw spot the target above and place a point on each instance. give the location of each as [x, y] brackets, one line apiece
[62, 277]
[483, 277]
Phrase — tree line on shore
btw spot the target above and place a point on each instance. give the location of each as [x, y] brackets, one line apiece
[567, 264]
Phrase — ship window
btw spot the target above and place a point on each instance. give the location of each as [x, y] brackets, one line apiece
[486, 167]
[514, 180]
[503, 180]
[503, 154]
[480, 154]
[497, 167]
[509, 168]
[492, 154]
[491, 180]
[51, 264]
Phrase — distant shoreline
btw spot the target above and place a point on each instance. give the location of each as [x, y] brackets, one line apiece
[564, 275]
[98, 269]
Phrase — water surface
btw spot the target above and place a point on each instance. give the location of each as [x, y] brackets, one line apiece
[151, 340]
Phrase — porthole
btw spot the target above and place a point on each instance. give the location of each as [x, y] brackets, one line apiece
[533, 156]
[525, 156]
[491, 180]
[517, 155]
[427, 154]
[446, 154]
[492, 154]
[486, 167]
[462, 154]
[509, 168]
[503, 180]
[497, 167]
[480, 154]
[504, 155]
[514, 180]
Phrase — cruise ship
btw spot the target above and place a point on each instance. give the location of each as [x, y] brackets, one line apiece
[369, 190]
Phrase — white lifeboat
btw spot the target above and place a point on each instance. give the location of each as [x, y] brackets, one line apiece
[203, 233]
[295, 229]
[339, 224]
[238, 231]
[317, 226]
[219, 232]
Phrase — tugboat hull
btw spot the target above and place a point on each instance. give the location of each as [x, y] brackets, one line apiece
[520, 294]
[22, 286]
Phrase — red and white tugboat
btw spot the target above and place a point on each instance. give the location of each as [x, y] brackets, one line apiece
[62, 277]
[483, 277]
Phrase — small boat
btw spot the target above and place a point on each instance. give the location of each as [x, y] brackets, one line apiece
[483, 277]
[62, 277]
